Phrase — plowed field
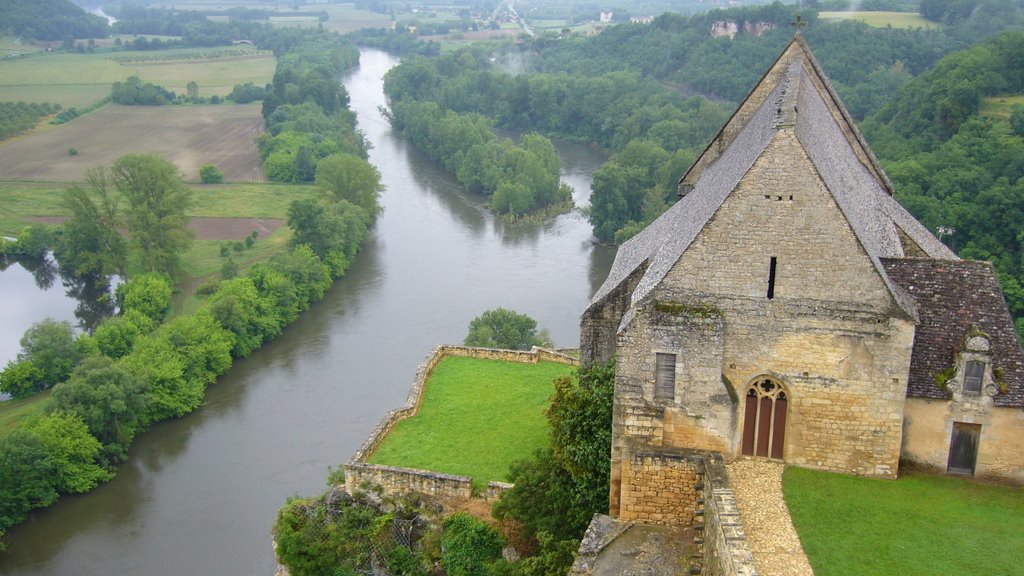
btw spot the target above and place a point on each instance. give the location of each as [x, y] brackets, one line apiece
[188, 136]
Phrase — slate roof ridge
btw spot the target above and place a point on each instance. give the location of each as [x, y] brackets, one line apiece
[664, 240]
[804, 51]
[876, 166]
[694, 211]
[856, 192]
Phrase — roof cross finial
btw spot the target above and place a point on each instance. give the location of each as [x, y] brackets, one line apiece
[798, 23]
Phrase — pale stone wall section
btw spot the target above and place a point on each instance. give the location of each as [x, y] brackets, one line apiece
[660, 490]
[395, 480]
[928, 427]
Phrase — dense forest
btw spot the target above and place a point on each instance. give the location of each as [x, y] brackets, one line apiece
[49, 20]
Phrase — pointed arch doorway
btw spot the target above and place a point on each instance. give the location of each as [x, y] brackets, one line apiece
[764, 419]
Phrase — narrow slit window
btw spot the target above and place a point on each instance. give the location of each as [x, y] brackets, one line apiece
[771, 278]
[975, 372]
[665, 376]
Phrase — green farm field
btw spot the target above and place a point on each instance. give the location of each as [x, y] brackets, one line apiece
[81, 79]
[342, 18]
[188, 136]
[235, 209]
[883, 19]
[476, 418]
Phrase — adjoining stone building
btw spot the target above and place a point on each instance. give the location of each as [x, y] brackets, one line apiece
[787, 307]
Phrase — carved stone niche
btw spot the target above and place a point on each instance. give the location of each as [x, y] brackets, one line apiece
[974, 372]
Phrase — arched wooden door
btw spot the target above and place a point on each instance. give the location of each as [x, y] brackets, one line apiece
[764, 419]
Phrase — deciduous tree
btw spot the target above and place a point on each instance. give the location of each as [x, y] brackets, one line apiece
[155, 202]
[501, 328]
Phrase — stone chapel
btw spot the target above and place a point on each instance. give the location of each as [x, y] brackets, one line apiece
[787, 307]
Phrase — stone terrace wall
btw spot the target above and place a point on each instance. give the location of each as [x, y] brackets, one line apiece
[726, 550]
[661, 489]
[394, 480]
[720, 543]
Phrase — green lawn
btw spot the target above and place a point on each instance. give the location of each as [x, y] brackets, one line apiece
[14, 412]
[475, 419]
[917, 525]
[883, 19]
[999, 106]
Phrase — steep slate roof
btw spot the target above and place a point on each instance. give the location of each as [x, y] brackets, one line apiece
[802, 100]
[954, 298]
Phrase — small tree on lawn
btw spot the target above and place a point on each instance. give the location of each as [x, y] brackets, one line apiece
[501, 328]
[210, 174]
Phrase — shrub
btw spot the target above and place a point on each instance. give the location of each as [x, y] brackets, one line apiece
[210, 174]
[469, 545]
[72, 151]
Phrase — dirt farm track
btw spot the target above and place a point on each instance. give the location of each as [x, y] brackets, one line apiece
[188, 136]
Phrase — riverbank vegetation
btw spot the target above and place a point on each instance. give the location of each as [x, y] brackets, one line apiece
[476, 417]
[521, 179]
[863, 526]
[145, 364]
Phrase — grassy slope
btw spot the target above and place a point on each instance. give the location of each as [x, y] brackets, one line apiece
[917, 525]
[999, 106]
[476, 418]
[14, 412]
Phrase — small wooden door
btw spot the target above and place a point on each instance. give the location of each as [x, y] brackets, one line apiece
[963, 448]
[764, 420]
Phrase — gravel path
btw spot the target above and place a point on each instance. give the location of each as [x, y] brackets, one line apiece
[757, 485]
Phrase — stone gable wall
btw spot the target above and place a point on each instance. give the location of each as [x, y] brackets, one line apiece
[832, 334]
[395, 480]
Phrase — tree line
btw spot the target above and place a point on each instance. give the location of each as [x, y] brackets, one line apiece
[520, 179]
[306, 109]
[653, 132]
[139, 367]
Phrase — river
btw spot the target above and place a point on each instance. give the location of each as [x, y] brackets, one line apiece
[200, 493]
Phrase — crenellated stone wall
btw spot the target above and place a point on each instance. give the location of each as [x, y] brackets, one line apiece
[396, 480]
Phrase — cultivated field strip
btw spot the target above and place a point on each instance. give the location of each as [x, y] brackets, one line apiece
[188, 136]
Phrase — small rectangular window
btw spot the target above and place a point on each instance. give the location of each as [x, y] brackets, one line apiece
[665, 376]
[771, 278]
[973, 376]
